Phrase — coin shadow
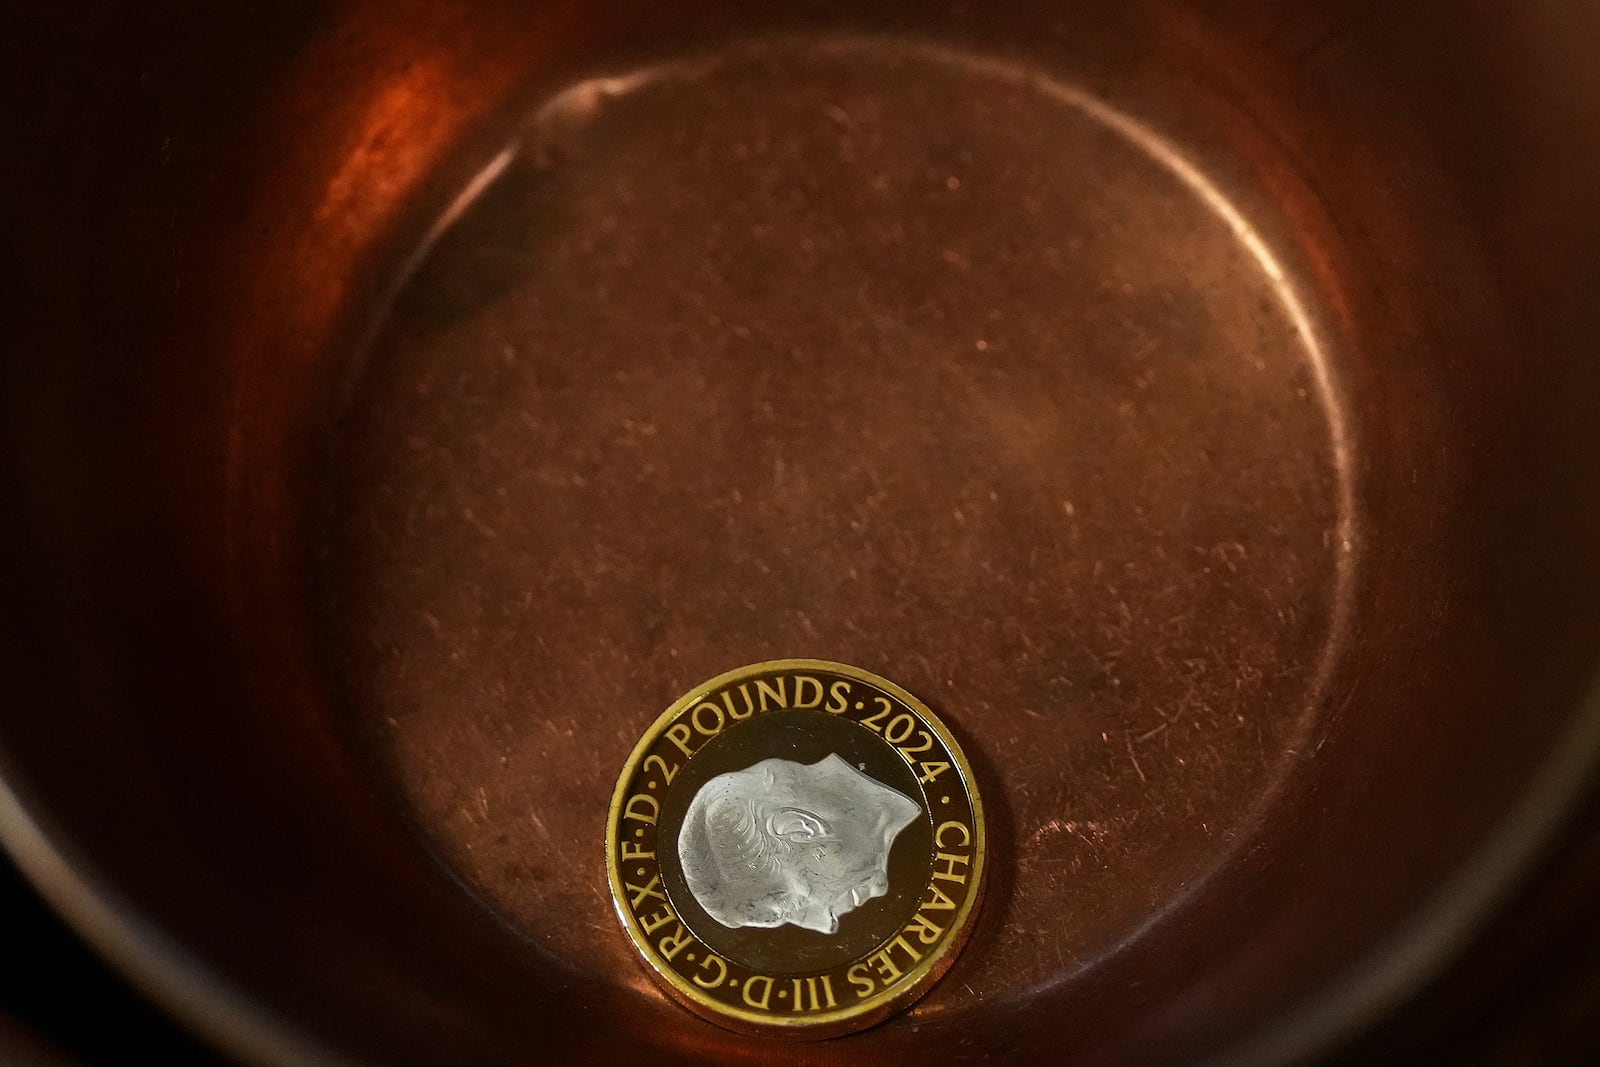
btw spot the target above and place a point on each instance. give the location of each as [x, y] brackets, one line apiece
[999, 871]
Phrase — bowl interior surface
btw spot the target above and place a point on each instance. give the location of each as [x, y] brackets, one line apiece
[1182, 400]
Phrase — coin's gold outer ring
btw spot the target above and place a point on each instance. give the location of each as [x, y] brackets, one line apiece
[918, 980]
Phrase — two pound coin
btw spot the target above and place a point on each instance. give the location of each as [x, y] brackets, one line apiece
[796, 848]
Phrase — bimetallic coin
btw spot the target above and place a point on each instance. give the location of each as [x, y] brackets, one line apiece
[796, 848]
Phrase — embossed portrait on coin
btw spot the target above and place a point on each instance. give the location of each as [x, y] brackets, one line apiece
[785, 842]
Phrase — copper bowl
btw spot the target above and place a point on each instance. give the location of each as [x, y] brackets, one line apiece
[1194, 403]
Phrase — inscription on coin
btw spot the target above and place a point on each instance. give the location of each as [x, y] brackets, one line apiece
[796, 848]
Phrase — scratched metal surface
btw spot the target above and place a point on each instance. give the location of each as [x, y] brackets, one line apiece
[1056, 453]
[864, 353]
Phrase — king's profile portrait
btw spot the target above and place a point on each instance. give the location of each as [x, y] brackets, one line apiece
[785, 842]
